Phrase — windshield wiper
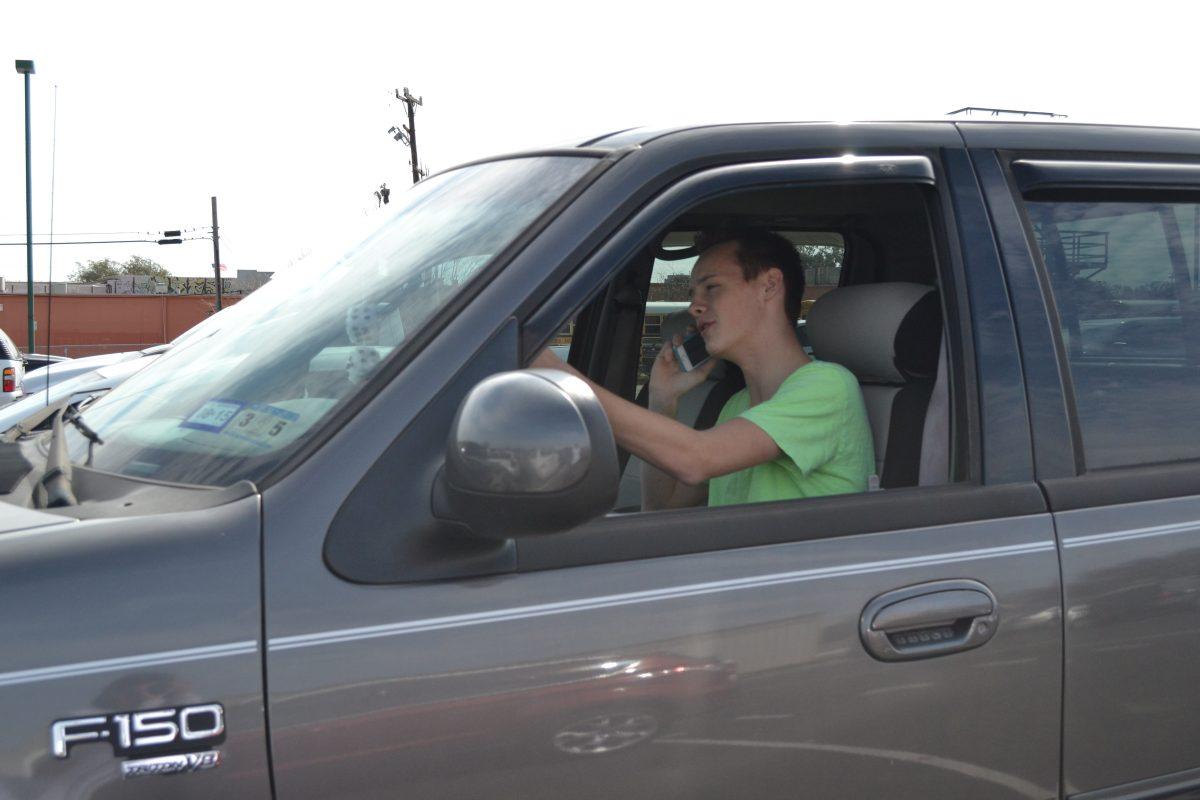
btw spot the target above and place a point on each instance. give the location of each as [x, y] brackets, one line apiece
[53, 489]
[75, 417]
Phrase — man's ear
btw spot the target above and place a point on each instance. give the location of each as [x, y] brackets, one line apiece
[773, 281]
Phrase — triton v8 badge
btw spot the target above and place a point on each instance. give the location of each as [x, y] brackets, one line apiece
[161, 741]
[170, 765]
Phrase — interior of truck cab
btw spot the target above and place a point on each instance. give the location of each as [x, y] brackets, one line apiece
[873, 304]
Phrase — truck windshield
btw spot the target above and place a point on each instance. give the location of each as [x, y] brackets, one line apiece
[231, 404]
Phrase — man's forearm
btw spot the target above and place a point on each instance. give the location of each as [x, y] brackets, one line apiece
[687, 456]
[657, 486]
[656, 437]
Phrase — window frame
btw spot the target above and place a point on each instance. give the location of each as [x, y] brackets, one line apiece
[620, 537]
[566, 268]
[1098, 178]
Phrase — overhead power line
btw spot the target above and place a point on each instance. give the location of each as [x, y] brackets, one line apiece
[84, 233]
[109, 233]
[95, 241]
[107, 241]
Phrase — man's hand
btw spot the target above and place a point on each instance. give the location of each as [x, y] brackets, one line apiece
[668, 381]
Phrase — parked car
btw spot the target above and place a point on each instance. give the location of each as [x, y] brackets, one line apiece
[61, 369]
[12, 370]
[37, 379]
[71, 390]
[38, 360]
[71, 384]
[352, 547]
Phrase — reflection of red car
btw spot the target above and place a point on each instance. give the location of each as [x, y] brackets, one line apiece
[637, 698]
[581, 706]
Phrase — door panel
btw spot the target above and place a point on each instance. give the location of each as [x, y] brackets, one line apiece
[1131, 583]
[1098, 262]
[689, 673]
[708, 675]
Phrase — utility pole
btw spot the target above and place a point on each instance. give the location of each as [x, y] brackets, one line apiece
[408, 133]
[25, 67]
[216, 253]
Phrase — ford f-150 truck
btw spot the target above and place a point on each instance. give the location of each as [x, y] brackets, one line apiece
[350, 546]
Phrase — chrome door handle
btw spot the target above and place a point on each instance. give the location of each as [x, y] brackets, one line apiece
[929, 619]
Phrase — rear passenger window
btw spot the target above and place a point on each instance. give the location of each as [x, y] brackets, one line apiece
[1124, 276]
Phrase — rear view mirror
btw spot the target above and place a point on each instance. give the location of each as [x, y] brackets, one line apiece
[530, 452]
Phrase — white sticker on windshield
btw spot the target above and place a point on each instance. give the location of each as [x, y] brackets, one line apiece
[213, 415]
[259, 424]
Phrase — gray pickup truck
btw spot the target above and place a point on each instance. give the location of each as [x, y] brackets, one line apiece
[347, 546]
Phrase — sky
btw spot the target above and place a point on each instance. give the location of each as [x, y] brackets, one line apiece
[281, 111]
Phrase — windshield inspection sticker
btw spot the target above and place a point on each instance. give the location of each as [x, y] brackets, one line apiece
[259, 424]
[213, 416]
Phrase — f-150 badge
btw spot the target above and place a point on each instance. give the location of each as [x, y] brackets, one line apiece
[163, 741]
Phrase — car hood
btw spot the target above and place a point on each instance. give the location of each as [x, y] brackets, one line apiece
[35, 380]
[96, 380]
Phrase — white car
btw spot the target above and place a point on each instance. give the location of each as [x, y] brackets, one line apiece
[35, 382]
[72, 389]
[12, 370]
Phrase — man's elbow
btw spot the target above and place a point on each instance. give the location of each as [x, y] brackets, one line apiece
[692, 467]
[692, 475]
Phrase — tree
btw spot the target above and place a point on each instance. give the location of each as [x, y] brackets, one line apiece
[822, 263]
[97, 271]
[137, 265]
[677, 287]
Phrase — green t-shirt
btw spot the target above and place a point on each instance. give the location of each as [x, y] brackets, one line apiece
[819, 420]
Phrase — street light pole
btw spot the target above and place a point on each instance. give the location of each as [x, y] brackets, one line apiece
[216, 253]
[25, 67]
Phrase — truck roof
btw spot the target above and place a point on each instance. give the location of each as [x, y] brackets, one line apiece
[706, 144]
[1016, 127]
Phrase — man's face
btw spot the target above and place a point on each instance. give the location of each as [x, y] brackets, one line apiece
[726, 307]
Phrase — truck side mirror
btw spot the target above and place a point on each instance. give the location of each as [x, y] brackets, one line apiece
[530, 452]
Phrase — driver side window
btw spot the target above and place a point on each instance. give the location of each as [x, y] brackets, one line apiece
[666, 315]
[891, 315]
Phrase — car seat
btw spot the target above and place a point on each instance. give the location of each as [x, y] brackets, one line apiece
[889, 336]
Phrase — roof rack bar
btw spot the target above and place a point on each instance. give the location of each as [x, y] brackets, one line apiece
[995, 112]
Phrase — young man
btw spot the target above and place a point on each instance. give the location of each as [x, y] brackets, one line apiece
[798, 429]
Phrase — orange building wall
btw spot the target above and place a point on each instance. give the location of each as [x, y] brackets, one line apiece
[85, 325]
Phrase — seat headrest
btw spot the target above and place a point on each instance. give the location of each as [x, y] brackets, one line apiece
[677, 322]
[882, 332]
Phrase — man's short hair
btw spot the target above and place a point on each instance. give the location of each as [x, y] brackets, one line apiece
[757, 250]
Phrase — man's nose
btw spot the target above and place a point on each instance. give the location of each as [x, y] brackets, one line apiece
[696, 308]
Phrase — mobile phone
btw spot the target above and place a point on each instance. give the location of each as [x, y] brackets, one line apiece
[692, 353]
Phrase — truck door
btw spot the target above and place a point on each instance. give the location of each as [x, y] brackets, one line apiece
[822, 647]
[1103, 258]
